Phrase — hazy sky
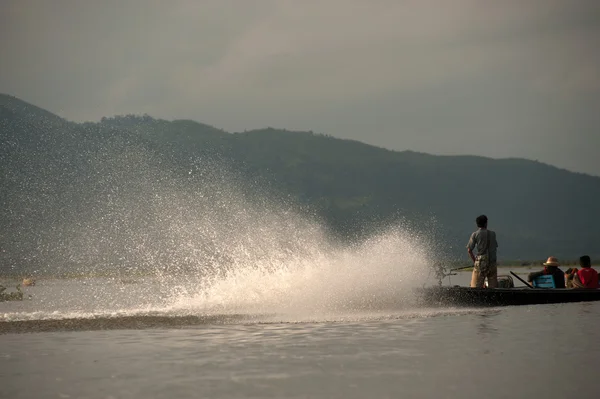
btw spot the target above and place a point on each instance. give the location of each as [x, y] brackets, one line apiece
[510, 78]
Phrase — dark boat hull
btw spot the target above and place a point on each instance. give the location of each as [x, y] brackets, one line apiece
[465, 296]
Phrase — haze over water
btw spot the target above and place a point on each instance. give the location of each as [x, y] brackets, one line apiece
[174, 260]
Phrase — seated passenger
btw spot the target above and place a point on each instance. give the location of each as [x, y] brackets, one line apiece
[586, 277]
[550, 267]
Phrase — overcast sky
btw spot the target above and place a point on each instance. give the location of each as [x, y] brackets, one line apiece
[510, 78]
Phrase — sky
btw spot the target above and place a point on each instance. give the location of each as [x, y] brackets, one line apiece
[511, 78]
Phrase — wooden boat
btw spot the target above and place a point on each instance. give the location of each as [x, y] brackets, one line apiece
[505, 295]
[466, 296]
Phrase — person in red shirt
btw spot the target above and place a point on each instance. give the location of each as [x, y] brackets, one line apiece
[586, 277]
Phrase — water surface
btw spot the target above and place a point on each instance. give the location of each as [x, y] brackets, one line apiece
[529, 351]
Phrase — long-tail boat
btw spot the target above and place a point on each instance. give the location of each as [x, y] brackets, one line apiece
[506, 295]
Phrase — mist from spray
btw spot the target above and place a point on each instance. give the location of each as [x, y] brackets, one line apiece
[225, 247]
[217, 244]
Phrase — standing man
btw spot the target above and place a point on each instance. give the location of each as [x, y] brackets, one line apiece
[484, 263]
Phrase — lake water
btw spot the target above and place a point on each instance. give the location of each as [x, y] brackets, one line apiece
[99, 338]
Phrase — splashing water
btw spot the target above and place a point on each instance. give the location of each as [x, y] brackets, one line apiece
[216, 246]
[376, 274]
[297, 277]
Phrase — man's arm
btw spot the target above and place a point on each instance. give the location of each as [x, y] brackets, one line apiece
[576, 281]
[470, 251]
[470, 246]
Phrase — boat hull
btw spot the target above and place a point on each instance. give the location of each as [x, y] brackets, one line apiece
[466, 296]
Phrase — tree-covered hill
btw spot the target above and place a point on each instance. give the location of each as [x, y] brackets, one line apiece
[53, 171]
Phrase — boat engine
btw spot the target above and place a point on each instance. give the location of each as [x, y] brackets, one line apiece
[504, 281]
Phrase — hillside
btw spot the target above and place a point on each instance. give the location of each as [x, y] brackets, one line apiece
[55, 171]
[535, 208]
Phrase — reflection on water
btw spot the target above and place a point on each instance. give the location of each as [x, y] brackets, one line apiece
[486, 325]
[587, 309]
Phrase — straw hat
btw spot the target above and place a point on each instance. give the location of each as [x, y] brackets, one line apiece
[552, 261]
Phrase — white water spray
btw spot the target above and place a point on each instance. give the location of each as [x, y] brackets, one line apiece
[377, 274]
[217, 246]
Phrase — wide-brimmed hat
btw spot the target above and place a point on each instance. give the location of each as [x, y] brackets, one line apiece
[552, 261]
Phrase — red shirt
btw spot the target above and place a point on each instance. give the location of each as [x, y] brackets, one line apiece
[588, 277]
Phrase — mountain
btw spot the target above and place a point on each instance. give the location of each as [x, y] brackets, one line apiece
[68, 186]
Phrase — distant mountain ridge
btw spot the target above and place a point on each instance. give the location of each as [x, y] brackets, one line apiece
[537, 209]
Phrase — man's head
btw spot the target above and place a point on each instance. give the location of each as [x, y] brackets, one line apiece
[585, 261]
[481, 221]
